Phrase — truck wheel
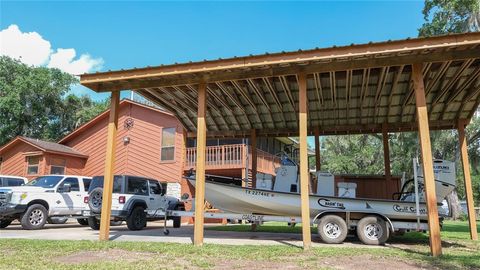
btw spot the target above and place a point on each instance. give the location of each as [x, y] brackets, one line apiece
[5, 222]
[82, 221]
[34, 218]
[137, 220]
[177, 222]
[372, 230]
[95, 200]
[332, 229]
[94, 223]
[57, 220]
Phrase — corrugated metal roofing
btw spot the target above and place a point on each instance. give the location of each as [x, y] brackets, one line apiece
[352, 89]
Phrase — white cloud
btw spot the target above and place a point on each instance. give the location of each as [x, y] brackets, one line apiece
[32, 49]
[64, 59]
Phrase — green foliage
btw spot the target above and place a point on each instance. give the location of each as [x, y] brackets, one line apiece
[34, 102]
[450, 16]
[353, 154]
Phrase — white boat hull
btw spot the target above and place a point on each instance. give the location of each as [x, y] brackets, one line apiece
[235, 199]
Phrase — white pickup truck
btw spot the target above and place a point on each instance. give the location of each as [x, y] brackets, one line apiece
[46, 198]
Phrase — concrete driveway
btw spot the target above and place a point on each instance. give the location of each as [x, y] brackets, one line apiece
[154, 233]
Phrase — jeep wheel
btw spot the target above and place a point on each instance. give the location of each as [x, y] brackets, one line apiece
[34, 218]
[5, 222]
[94, 223]
[95, 200]
[82, 221]
[177, 222]
[137, 220]
[57, 220]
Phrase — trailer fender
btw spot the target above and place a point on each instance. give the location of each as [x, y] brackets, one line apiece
[321, 214]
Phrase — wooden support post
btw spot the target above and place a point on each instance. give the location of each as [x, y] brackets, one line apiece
[468, 181]
[386, 160]
[200, 168]
[253, 138]
[427, 162]
[317, 149]
[104, 233]
[304, 172]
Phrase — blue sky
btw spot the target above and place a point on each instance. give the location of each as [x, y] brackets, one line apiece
[136, 34]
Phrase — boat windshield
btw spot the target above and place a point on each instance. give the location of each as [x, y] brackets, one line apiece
[45, 181]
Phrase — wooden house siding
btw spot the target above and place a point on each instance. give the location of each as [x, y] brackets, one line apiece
[14, 160]
[141, 155]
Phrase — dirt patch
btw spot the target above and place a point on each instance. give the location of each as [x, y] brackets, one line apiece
[367, 262]
[364, 262]
[104, 255]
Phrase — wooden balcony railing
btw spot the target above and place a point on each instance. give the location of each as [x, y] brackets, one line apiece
[232, 156]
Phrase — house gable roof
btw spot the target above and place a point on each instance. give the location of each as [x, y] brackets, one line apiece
[45, 146]
[104, 114]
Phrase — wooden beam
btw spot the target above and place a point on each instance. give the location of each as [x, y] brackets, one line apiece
[317, 150]
[104, 233]
[253, 139]
[386, 159]
[200, 167]
[304, 172]
[427, 162]
[335, 130]
[467, 181]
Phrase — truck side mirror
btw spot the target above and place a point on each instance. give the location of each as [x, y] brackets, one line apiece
[163, 192]
[66, 187]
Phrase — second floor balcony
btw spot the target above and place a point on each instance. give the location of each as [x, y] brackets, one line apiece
[232, 156]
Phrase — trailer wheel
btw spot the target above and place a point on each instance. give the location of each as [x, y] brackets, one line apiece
[332, 229]
[373, 230]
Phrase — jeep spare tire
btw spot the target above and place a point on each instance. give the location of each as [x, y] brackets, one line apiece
[95, 200]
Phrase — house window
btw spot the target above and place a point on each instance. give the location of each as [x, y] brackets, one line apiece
[57, 166]
[168, 144]
[32, 165]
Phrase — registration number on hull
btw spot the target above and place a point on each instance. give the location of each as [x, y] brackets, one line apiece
[258, 193]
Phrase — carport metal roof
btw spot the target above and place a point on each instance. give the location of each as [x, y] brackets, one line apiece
[351, 89]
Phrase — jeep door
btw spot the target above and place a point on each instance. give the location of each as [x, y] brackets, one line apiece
[70, 202]
[157, 200]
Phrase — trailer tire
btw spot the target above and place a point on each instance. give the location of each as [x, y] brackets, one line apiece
[373, 230]
[332, 229]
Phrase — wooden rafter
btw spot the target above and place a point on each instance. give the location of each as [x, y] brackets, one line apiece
[259, 93]
[171, 108]
[469, 81]
[452, 81]
[396, 78]
[272, 90]
[234, 99]
[382, 79]
[288, 92]
[244, 93]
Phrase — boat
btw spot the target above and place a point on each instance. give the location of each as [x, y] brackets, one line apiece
[272, 201]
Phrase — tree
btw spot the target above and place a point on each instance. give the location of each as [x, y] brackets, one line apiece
[30, 98]
[34, 102]
[450, 16]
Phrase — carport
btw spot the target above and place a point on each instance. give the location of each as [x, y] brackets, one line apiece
[394, 86]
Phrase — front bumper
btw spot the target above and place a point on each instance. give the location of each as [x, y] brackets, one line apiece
[11, 210]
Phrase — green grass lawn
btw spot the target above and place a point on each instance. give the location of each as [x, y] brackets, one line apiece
[459, 253]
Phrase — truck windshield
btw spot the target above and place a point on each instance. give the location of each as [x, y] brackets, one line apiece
[45, 181]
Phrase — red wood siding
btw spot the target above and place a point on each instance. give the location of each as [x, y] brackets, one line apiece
[141, 156]
[15, 163]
